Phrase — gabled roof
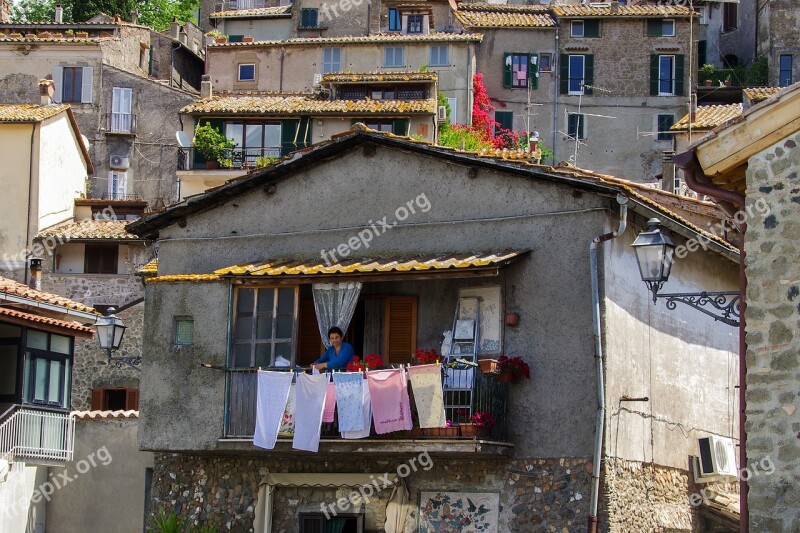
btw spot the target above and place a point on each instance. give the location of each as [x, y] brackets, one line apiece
[263, 12]
[29, 113]
[375, 38]
[366, 77]
[297, 161]
[14, 290]
[623, 11]
[504, 16]
[292, 105]
[15, 316]
[759, 94]
[89, 230]
[707, 117]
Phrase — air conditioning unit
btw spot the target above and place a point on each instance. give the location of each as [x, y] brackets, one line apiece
[317, 80]
[717, 459]
[442, 113]
[119, 162]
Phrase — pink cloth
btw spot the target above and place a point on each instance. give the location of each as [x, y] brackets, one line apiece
[391, 409]
[330, 404]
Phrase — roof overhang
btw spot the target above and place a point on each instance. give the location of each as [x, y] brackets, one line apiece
[51, 325]
[13, 298]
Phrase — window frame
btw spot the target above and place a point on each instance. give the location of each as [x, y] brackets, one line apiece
[328, 63]
[783, 71]
[176, 340]
[254, 314]
[518, 59]
[577, 24]
[419, 24]
[580, 127]
[97, 248]
[31, 355]
[672, 74]
[730, 16]
[549, 57]
[674, 28]
[247, 151]
[571, 78]
[394, 49]
[121, 109]
[446, 62]
[239, 72]
[501, 123]
[660, 135]
[75, 93]
[306, 11]
[117, 184]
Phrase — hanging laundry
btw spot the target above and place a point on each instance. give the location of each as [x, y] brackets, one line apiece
[390, 404]
[350, 400]
[310, 402]
[426, 383]
[287, 423]
[271, 395]
[330, 404]
[365, 416]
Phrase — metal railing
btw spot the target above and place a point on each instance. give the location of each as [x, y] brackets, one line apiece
[738, 76]
[487, 395]
[37, 435]
[238, 158]
[235, 5]
[123, 123]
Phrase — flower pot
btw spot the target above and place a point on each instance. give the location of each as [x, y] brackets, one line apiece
[707, 83]
[221, 40]
[507, 376]
[441, 432]
[248, 39]
[81, 34]
[512, 319]
[45, 35]
[212, 165]
[414, 433]
[472, 430]
[489, 366]
[15, 35]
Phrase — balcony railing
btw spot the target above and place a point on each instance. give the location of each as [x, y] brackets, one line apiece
[486, 394]
[239, 158]
[36, 435]
[120, 123]
[735, 77]
[234, 5]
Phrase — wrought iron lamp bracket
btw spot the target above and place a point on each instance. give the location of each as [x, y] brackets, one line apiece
[722, 306]
[132, 361]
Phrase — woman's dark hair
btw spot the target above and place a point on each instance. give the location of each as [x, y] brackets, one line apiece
[334, 329]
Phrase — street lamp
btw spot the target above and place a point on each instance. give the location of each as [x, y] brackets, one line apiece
[110, 330]
[654, 253]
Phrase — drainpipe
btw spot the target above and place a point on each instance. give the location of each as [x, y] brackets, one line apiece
[556, 58]
[732, 203]
[30, 199]
[280, 80]
[598, 354]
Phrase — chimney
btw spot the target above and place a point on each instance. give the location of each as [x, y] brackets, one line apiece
[205, 86]
[35, 281]
[135, 16]
[668, 171]
[59, 14]
[46, 91]
[614, 6]
[174, 28]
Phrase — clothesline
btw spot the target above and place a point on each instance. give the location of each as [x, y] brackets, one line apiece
[453, 364]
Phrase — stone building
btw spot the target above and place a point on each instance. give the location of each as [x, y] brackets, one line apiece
[757, 177]
[514, 233]
[777, 40]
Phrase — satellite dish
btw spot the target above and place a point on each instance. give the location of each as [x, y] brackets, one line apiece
[85, 141]
[183, 139]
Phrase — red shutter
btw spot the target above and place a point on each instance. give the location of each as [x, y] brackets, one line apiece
[97, 399]
[132, 400]
[400, 335]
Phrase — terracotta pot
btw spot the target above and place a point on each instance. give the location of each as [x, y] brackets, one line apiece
[221, 40]
[441, 432]
[489, 366]
[508, 376]
[512, 319]
[248, 39]
[707, 83]
[212, 165]
[414, 433]
[471, 430]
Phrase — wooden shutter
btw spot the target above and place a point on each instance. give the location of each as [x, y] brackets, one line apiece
[588, 73]
[533, 71]
[679, 74]
[87, 85]
[309, 343]
[58, 81]
[97, 399]
[591, 28]
[400, 334]
[654, 27]
[653, 74]
[295, 134]
[563, 65]
[400, 126]
[508, 75]
[132, 399]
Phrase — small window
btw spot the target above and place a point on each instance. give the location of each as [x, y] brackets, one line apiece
[184, 331]
[101, 259]
[576, 28]
[394, 20]
[115, 399]
[730, 16]
[666, 75]
[505, 120]
[668, 28]
[247, 72]
[117, 185]
[331, 59]
[545, 62]
[440, 56]
[576, 126]
[576, 74]
[785, 74]
[308, 18]
[415, 23]
[73, 83]
[665, 122]
[393, 56]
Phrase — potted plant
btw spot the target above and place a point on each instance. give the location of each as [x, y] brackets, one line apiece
[248, 39]
[212, 144]
[512, 369]
[371, 361]
[264, 161]
[482, 424]
[448, 431]
[81, 34]
[707, 71]
[426, 357]
[15, 35]
[45, 35]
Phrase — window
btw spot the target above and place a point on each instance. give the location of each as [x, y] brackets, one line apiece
[396, 126]
[48, 372]
[115, 399]
[393, 56]
[73, 84]
[308, 18]
[331, 59]
[184, 331]
[440, 55]
[576, 126]
[660, 28]
[576, 28]
[703, 10]
[505, 121]
[100, 259]
[121, 103]
[785, 74]
[247, 72]
[394, 20]
[730, 16]
[665, 122]
[519, 70]
[453, 103]
[666, 75]
[545, 62]
[264, 326]
[415, 23]
[580, 29]
[253, 140]
[577, 70]
[576, 74]
[117, 184]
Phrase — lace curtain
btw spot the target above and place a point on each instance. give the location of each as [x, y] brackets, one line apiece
[334, 304]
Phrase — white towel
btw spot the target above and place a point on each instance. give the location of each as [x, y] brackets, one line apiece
[272, 392]
[310, 403]
[366, 413]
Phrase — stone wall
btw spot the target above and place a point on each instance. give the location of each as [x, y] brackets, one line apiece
[540, 494]
[777, 35]
[773, 344]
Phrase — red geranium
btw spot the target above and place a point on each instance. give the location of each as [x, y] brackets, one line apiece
[427, 357]
[484, 419]
[516, 365]
[355, 365]
[373, 361]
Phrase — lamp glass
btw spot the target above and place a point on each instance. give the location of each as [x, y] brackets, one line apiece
[110, 330]
[654, 253]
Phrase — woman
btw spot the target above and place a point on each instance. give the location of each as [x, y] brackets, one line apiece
[338, 355]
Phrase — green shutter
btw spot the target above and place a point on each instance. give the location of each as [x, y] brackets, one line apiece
[400, 126]
[679, 74]
[588, 76]
[654, 27]
[235, 38]
[507, 73]
[291, 129]
[591, 28]
[653, 74]
[533, 71]
[563, 66]
[504, 119]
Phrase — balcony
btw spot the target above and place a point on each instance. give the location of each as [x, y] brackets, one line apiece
[738, 76]
[120, 123]
[238, 158]
[235, 5]
[485, 394]
[36, 435]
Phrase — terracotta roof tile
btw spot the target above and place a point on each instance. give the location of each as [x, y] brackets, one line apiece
[11, 287]
[29, 112]
[89, 40]
[495, 17]
[277, 11]
[709, 117]
[624, 11]
[184, 277]
[89, 229]
[504, 8]
[759, 94]
[290, 105]
[376, 38]
[150, 268]
[79, 329]
[94, 415]
[359, 77]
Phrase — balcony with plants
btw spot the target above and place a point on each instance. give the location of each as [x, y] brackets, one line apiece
[756, 75]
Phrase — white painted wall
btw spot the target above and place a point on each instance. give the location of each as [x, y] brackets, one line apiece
[15, 146]
[18, 514]
[71, 260]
